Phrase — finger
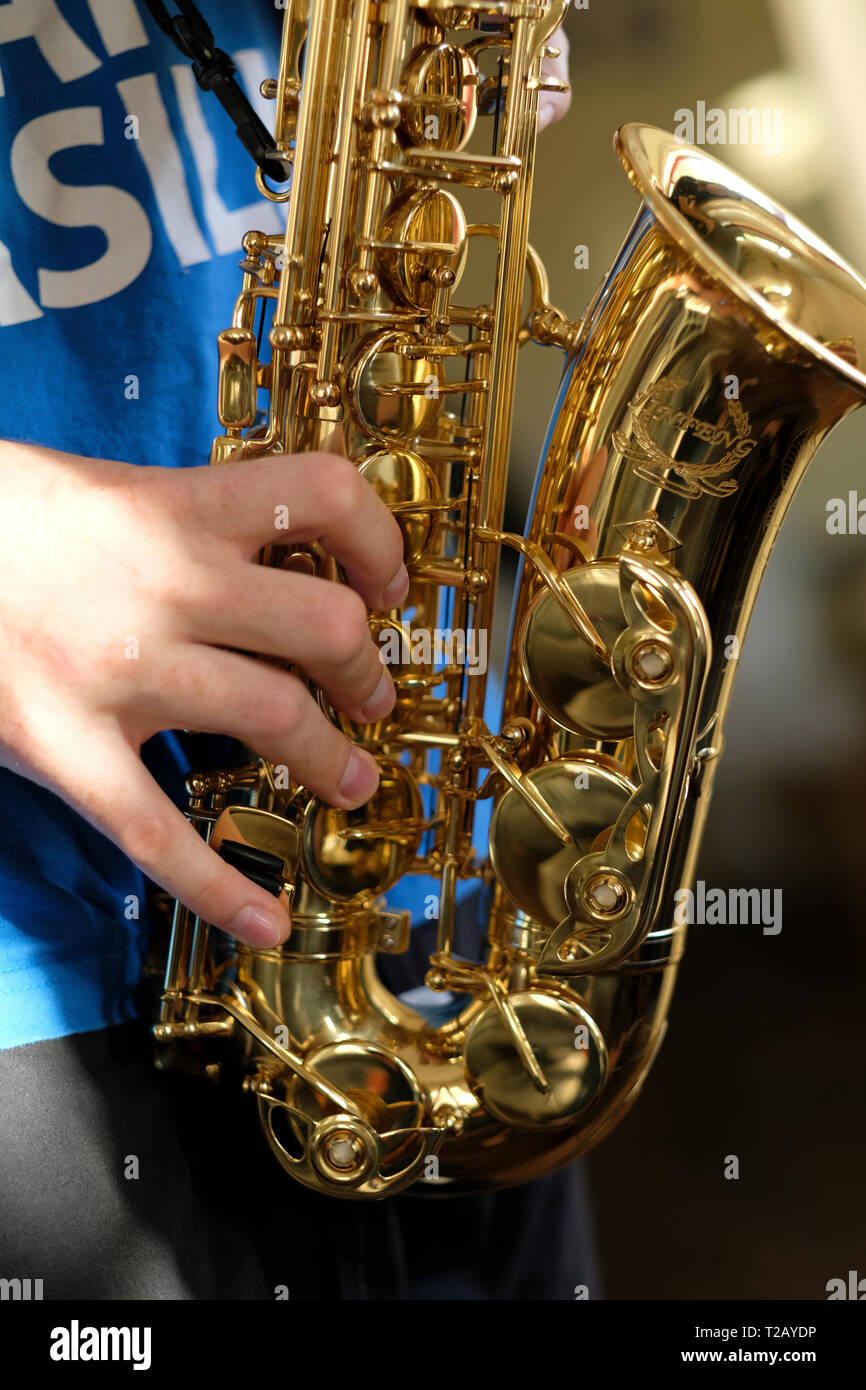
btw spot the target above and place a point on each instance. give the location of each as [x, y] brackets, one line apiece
[128, 806]
[317, 625]
[553, 105]
[309, 497]
[273, 713]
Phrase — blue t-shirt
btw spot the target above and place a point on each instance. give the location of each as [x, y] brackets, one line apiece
[124, 194]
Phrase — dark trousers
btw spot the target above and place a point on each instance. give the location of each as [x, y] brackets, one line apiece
[212, 1216]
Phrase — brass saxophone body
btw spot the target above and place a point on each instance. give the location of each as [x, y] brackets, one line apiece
[722, 346]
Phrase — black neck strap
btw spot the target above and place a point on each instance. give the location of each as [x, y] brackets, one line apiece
[215, 72]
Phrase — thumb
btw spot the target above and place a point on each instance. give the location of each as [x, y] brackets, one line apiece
[553, 105]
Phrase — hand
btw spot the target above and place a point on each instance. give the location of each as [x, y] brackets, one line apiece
[552, 106]
[128, 595]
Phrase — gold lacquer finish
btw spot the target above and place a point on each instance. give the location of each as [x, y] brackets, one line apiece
[393, 387]
[237, 384]
[724, 344]
[349, 853]
[422, 227]
[402, 479]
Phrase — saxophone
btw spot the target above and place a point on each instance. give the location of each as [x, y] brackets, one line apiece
[720, 349]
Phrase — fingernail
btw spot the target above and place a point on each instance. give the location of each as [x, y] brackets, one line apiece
[397, 590]
[360, 778]
[382, 699]
[546, 115]
[258, 927]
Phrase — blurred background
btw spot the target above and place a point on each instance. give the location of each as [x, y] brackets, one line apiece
[764, 1057]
